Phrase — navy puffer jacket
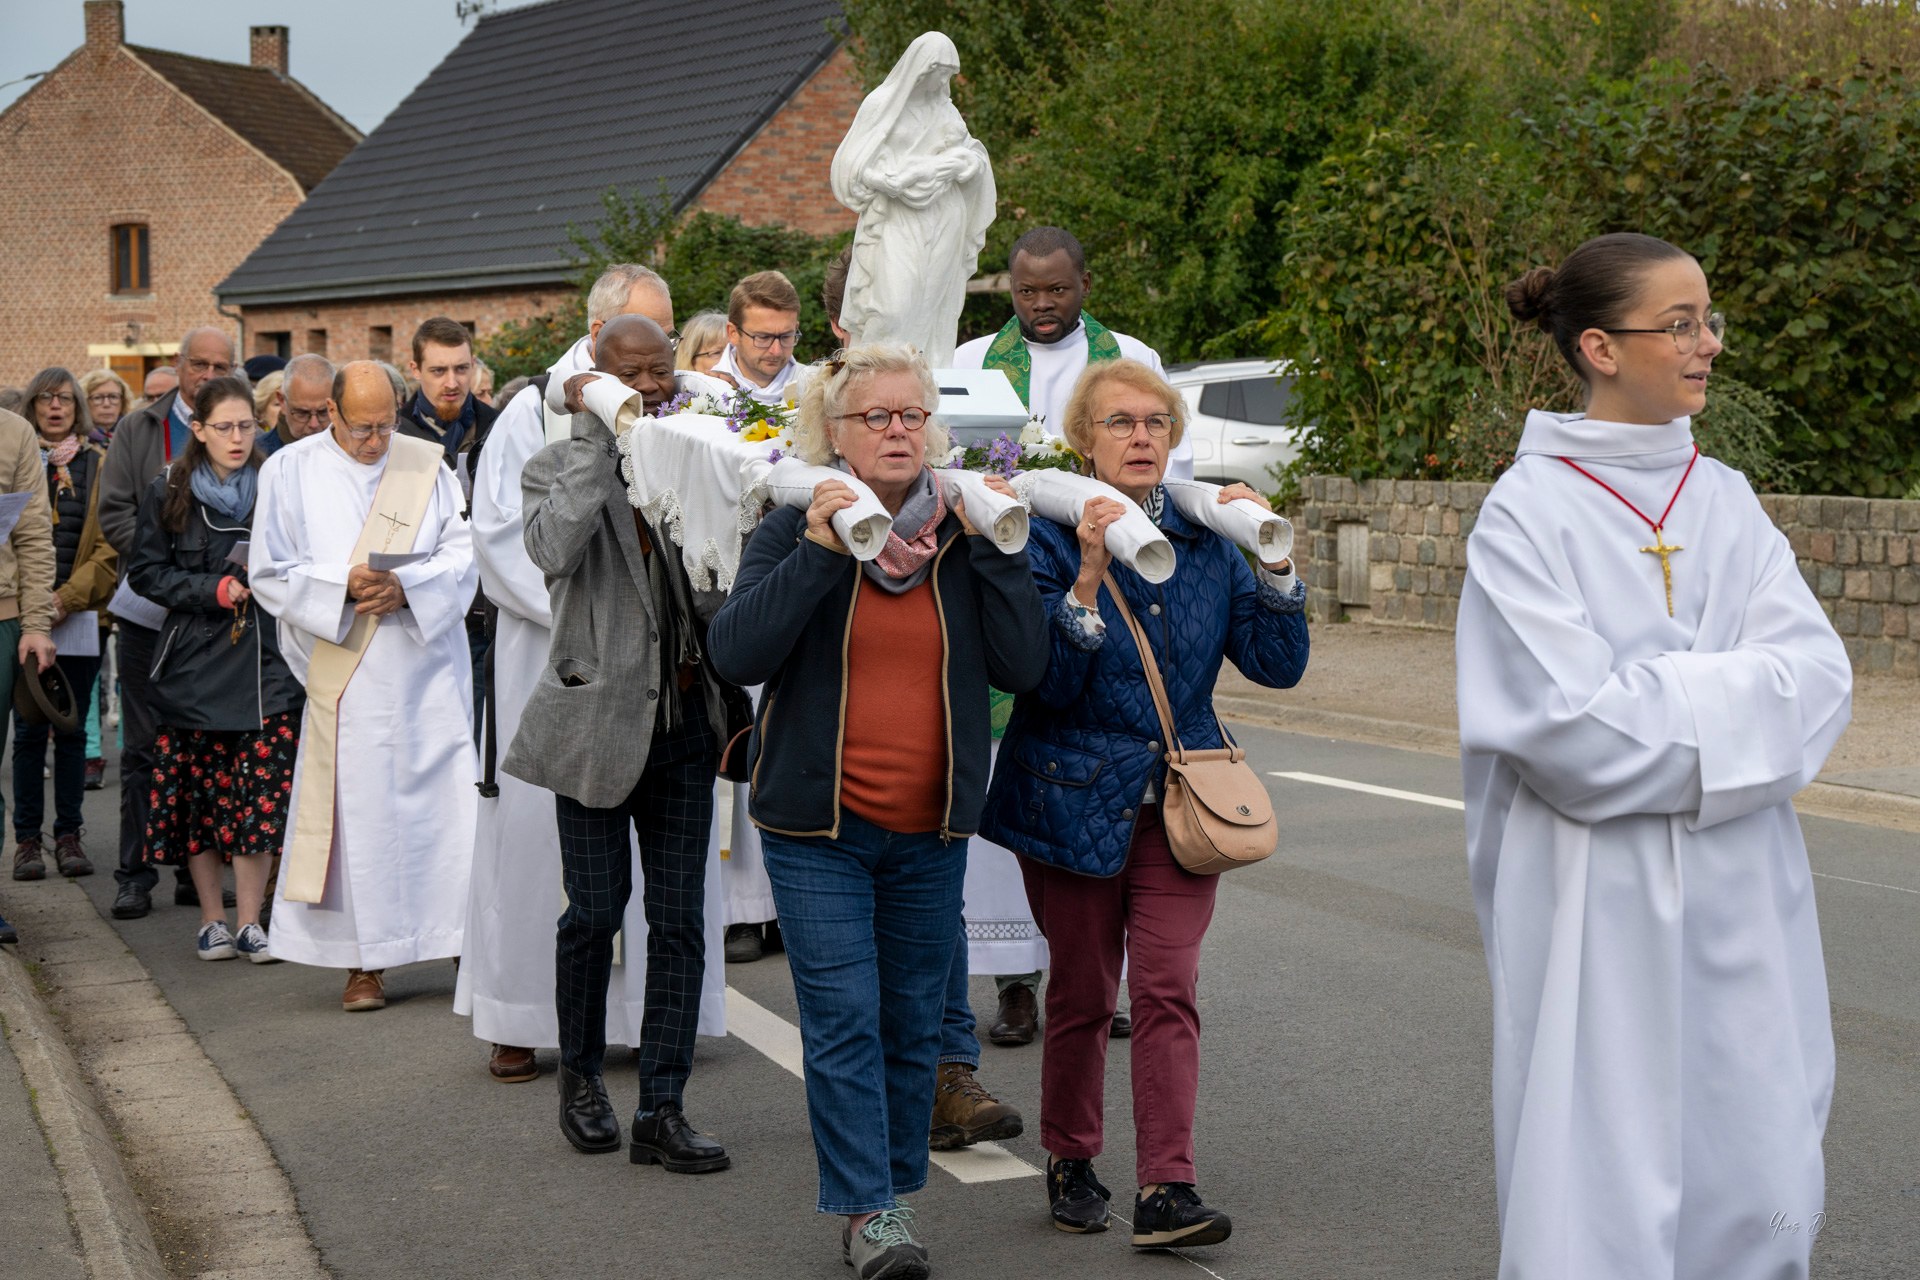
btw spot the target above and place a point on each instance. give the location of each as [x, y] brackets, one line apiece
[1081, 749]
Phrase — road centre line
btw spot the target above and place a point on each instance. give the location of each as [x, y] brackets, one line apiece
[1444, 803]
[779, 1040]
[1440, 802]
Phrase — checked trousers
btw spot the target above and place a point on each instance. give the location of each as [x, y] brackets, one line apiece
[671, 811]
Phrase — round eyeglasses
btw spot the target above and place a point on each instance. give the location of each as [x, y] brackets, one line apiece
[1686, 331]
[912, 418]
[1121, 425]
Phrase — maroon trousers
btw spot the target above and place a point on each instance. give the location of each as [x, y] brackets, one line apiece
[1155, 914]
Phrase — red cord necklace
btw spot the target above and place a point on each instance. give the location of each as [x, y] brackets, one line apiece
[1660, 546]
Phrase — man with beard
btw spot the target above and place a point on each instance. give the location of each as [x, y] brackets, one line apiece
[624, 728]
[1050, 341]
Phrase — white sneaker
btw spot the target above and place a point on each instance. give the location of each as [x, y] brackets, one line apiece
[252, 943]
[215, 942]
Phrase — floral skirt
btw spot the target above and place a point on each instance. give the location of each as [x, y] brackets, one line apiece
[221, 791]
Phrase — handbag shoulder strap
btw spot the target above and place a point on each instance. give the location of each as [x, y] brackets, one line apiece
[1149, 663]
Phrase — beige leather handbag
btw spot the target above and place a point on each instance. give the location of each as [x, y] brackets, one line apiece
[1217, 814]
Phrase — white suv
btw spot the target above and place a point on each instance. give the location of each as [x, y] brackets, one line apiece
[1237, 419]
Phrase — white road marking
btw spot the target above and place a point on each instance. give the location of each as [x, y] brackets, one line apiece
[1444, 803]
[779, 1040]
[1439, 802]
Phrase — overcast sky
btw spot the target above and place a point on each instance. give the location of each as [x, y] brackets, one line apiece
[360, 56]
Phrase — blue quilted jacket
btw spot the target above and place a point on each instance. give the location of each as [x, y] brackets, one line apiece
[1082, 748]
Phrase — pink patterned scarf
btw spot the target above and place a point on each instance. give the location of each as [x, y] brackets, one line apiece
[903, 558]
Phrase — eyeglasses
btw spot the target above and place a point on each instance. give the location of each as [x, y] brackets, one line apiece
[51, 398]
[709, 353]
[1121, 425]
[877, 419]
[766, 341]
[232, 429]
[104, 397]
[314, 416]
[219, 368]
[364, 433]
[1686, 332]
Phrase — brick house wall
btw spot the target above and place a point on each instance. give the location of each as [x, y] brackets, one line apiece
[1395, 552]
[103, 140]
[356, 329]
[780, 176]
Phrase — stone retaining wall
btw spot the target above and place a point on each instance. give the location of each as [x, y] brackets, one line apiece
[1395, 552]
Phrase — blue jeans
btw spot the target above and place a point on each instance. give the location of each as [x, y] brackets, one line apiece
[959, 1042]
[69, 760]
[870, 921]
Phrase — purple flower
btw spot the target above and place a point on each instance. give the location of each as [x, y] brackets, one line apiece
[676, 405]
[774, 455]
[1003, 455]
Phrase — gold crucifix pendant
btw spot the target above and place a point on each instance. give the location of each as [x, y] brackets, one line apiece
[1665, 552]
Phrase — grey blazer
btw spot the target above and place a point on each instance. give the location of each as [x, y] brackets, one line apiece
[587, 728]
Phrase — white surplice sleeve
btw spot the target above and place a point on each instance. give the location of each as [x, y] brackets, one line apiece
[440, 588]
[300, 592]
[1709, 735]
[508, 576]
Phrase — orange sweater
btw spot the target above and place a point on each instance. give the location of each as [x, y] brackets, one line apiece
[893, 764]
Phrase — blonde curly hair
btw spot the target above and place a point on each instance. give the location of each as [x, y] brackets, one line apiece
[1077, 423]
[831, 388]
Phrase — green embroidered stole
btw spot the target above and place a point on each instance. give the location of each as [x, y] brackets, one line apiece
[1008, 353]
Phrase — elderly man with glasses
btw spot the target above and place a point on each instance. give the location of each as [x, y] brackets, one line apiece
[306, 386]
[361, 550]
[763, 324]
[143, 444]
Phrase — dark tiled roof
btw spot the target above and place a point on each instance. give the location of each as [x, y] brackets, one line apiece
[475, 178]
[275, 114]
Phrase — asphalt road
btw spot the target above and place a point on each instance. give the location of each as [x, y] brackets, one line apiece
[1343, 1121]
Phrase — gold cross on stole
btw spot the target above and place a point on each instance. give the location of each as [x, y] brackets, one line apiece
[1665, 552]
[395, 524]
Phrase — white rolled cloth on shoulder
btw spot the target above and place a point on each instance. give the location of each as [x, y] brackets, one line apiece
[1244, 523]
[1133, 539]
[864, 526]
[684, 380]
[1003, 519]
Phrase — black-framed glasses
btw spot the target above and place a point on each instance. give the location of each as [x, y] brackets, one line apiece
[314, 416]
[366, 433]
[1686, 331]
[1121, 425]
[913, 418]
[104, 397]
[766, 341]
[54, 397]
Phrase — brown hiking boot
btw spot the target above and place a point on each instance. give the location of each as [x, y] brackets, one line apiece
[70, 856]
[28, 862]
[965, 1113]
[364, 991]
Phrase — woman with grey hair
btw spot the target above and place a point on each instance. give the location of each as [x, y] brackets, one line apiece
[881, 668]
[703, 340]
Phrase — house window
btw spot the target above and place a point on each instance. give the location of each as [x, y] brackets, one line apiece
[273, 342]
[317, 341]
[380, 342]
[130, 263]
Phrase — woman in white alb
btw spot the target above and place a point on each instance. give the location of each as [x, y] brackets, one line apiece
[1644, 682]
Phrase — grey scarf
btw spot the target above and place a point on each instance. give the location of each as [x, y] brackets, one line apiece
[913, 515]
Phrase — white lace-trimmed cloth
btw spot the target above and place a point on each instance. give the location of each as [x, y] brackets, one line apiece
[704, 489]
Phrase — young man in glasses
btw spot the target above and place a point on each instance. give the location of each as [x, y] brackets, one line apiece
[763, 324]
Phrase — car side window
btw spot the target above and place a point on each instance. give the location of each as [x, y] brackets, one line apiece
[1214, 397]
[1262, 401]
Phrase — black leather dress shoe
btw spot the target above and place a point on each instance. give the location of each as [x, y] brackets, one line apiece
[665, 1138]
[586, 1117]
[132, 902]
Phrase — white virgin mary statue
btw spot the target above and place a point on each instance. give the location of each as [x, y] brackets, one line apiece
[923, 190]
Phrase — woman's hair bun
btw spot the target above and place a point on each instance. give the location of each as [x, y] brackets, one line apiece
[1530, 298]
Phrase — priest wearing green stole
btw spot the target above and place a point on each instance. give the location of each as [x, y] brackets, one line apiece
[1049, 342]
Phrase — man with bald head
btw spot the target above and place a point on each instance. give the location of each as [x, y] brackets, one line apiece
[144, 442]
[506, 982]
[361, 552]
[624, 728]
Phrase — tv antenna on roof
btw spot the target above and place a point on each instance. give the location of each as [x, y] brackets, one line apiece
[465, 9]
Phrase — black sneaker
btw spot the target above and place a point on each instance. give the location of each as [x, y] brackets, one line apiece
[1174, 1218]
[131, 902]
[743, 944]
[1076, 1198]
